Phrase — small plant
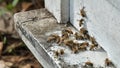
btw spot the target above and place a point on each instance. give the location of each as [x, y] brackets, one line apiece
[8, 7]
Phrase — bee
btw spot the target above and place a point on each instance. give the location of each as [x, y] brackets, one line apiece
[49, 39]
[54, 37]
[93, 40]
[58, 39]
[61, 51]
[82, 48]
[82, 12]
[83, 31]
[84, 44]
[88, 63]
[57, 53]
[68, 42]
[81, 22]
[68, 30]
[76, 44]
[65, 35]
[78, 36]
[87, 36]
[108, 62]
[93, 46]
[75, 49]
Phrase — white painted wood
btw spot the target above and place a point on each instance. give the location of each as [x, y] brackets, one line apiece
[34, 27]
[59, 8]
[103, 22]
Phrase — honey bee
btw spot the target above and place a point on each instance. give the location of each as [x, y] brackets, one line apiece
[87, 36]
[68, 30]
[56, 53]
[58, 39]
[82, 12]
[49, 39]
[93, 40]
[54, 37]
[81, 22]
[108, 62]
[78, 36]
[68, 42]
[88, 63]
[61, 51]
[82, 48]
[83, 31]
[84, 44]
[75, 49]
[65, 35]
[93, 46]
[76, 44]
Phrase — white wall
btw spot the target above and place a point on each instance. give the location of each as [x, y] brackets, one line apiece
[103, 22]
[59, 8]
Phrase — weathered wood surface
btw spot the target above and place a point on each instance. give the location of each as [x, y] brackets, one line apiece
[103, 21]
[31, 30]
[35, 26]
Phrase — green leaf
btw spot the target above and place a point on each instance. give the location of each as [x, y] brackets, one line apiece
[0, 0]
[10, 50]
[15, 2]
[9, 7]
[2, 11]
[4, 40]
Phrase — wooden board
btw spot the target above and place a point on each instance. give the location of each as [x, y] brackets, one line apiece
[35, 26]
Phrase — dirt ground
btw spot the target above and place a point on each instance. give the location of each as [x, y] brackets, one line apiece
[13, 52]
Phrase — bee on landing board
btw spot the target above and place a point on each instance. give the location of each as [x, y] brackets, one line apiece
[65, 35]
[53, 37]
[68, 30]
[78, 36]
[75, 49]
[82, 48]
[93, 46]
[59, 52]
[68, 42]
[49, 39]
[88, 64]
[83, 31]
[81, 22]
[82, 12]
[87, 37]
[84, 44]
[108, 62]
[93, 40]
[56, 53]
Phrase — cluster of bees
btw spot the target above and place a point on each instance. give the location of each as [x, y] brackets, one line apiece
[75, 46]
[90, 64]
